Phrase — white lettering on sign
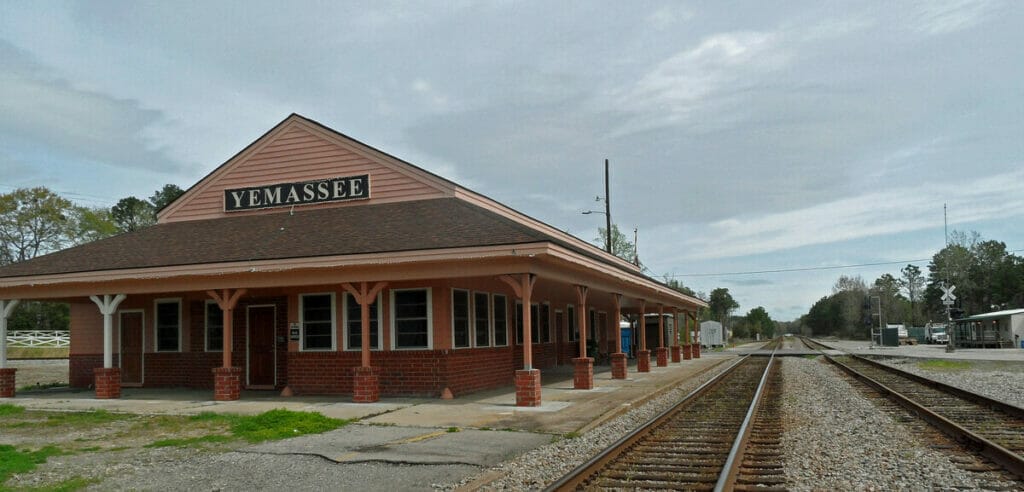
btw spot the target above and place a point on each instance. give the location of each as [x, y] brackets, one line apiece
[302, 193]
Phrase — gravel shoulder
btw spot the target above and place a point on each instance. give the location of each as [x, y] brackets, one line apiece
[999, 380]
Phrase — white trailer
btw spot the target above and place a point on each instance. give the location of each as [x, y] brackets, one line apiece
[711, 334]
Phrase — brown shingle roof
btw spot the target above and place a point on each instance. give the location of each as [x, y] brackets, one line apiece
[390, 227]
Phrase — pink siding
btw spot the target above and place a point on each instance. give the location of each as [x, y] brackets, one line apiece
[296, 153]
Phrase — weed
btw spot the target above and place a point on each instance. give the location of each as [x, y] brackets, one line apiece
[83, 419]
[485, 428]
[37, 386]
[944, 365]
[71, 484]
[13, 461]
[7, 410]
[273, 424]
[571, 435]
[453, 429]
[89, 449]
[190, 441]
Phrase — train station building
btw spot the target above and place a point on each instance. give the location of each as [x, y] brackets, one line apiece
[313, 264]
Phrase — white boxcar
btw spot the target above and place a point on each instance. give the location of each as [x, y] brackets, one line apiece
[711, 334]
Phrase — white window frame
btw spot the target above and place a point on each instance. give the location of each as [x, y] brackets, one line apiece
[206, 327]
[302, 322]
[430, 319]
[156, 323]
[470, 326]
[380, 323]
[494, 338]
[472, 319]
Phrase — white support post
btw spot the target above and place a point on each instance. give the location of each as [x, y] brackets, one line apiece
[107, 307]
[6, 308]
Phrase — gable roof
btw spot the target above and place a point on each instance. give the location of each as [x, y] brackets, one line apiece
[383, 228]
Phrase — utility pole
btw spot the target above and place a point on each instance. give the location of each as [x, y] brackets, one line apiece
[607, 211]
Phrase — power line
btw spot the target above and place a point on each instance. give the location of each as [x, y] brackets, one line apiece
[72, 194]
[807, 269]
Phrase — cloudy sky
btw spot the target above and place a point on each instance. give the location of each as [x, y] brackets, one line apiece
[743, 137]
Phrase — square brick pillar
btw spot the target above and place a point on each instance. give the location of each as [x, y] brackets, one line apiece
[696, 351]
[661, 353]
[108, 382]
[227, 383]
[618, 365]
[7, 382]
[643, 361]
[365, 385]
[676, 354]
[687, 351]
[583, 375]
[528, 388]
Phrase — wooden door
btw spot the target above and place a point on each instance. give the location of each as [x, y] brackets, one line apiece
[261, 346]
[131, 348]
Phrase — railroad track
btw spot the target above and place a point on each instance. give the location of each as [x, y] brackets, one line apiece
[992, 428]
[723, 435]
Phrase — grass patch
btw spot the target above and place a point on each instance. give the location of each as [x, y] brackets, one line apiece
[453, 429]
[810, 356]
[37, 353]
[190, 441]
[69, 485]
[8, 410]
[274, 424]
[13, 461]
[83, 419]
[571, 435]
[944, 365]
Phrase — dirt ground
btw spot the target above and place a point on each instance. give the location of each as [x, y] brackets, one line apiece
[40, 372]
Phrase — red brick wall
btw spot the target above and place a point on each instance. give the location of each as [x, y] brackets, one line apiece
[80, 368]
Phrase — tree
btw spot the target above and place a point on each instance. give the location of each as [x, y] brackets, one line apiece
[758, 321]
[33, 222]
[164, 196]
[912, 282]
[621, 245]
[720, 304]
[678, 286]
[131, 214]
[887, 289]
[93, 224]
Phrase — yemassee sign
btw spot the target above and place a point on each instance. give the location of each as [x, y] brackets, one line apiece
[303, 193]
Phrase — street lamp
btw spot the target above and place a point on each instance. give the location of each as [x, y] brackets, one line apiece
[607, 211]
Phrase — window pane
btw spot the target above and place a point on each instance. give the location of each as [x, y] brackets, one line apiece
[355, 324]
[481, 317]
[167, 331]
[317, 320]
[460, 318]
[519, 323]
[545, 322]
[574, 329]
[411, 322]
[500, 320]
[214, 327]
[534, 323]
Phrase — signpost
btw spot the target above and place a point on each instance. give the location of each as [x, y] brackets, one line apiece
[948, 299]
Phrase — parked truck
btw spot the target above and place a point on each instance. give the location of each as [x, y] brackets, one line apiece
[936, 333]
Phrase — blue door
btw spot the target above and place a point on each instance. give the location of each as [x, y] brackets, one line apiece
[627, 341]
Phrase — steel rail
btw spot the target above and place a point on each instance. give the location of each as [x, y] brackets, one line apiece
[1009, 460]
[583, 472]
[727, 479]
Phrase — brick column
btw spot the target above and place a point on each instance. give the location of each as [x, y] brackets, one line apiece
[583, 375]
[696, 351]
[662, 355]
[687, 351]
[619, 366]
[365, 385]
[227, 383]
[108, 382]
[643, 361]
[7, 382]
[528, 388]
[676, 354]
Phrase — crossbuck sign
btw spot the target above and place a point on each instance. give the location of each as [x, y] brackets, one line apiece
[947, 295]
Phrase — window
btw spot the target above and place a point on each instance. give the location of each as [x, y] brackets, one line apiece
[354, 323]
[410, 314]
[214, 327]
[534, 323]
[591, 322]
[460, 318]
[519, 322]
[574, 328]
[317, 320]
[500, 320]
[168, 326]
[482, 319]
[545, 323]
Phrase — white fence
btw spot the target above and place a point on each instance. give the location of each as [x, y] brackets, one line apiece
[38, 338]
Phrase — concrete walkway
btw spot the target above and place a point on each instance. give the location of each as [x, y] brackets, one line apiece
[563, 408]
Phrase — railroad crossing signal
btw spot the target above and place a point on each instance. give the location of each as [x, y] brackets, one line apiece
[947, 294]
